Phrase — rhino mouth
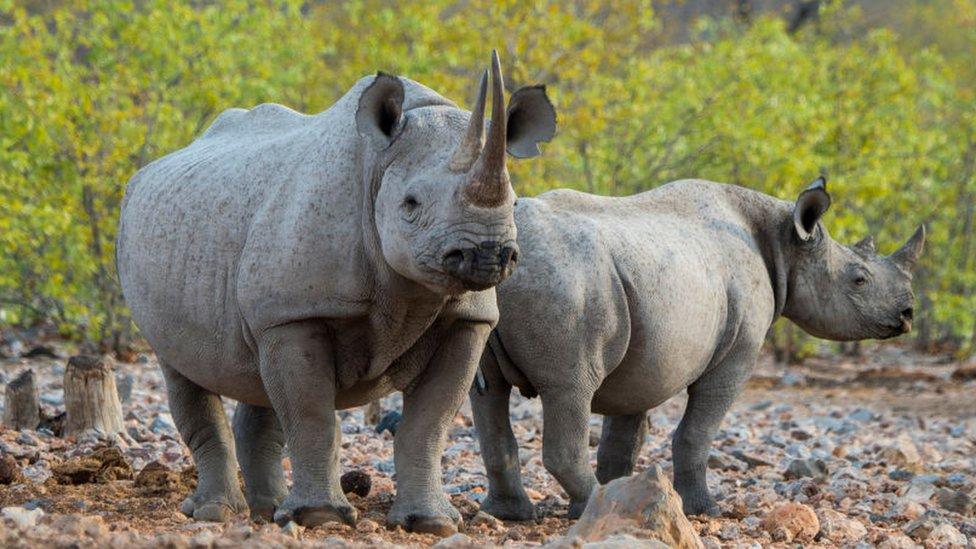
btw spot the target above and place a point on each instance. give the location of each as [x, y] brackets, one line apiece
[480, 267]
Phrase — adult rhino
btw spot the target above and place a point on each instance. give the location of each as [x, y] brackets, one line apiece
[620, 303]
[302, 264]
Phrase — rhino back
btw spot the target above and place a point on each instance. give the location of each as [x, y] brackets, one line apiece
[645, 287]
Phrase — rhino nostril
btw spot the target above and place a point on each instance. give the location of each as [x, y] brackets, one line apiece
[908, 313]
[453, 259]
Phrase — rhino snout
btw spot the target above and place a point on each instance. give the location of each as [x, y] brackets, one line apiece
[906, 317]
[483, 266]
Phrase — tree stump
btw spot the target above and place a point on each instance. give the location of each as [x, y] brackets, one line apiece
[22, 406]
[91, 399]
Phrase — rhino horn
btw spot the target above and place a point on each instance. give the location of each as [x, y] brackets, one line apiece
[907, 255]
[469, 149]
[488, 185]
[865, 246]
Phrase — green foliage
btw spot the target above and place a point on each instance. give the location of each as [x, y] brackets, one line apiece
[92, 90]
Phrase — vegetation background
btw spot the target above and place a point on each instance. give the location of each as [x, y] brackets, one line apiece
[877, 94]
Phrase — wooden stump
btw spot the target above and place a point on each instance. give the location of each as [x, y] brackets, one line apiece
[91, 399]
[22, 406]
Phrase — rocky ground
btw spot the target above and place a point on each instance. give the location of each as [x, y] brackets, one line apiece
[878, 451]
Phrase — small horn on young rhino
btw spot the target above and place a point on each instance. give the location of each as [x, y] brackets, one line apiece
[469, 149]
[908, 255]
[488, 184]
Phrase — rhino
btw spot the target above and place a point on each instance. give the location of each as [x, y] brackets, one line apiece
[301, 264]
[620, 303]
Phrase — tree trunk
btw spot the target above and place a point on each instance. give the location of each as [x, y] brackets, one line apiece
[22, 407]
[91, 398]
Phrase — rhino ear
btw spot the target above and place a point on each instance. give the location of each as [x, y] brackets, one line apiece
[531, 119]
[380, 110]
[810, 207]
[865, 247]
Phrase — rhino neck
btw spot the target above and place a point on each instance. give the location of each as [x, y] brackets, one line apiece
[770, 220]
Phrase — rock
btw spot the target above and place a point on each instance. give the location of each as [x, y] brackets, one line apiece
[76, 526]
[946, 535]
[390, 422]
[897, 541]
[807, 468]
[457, 541]
[920, 528]
[157, 479]
[791, 379]
[838, 528]
[366, 526]
[356, 482]
[624, 541]
[751, 460]
[41, 351]
[646, 502]
[103, 465]
[484, 519]
[902, 453]
[792, 521]
[906, 510]
[955, 501]
[23, 518]
[292, 530]
[725, 462]
[9, 470]
[163, 424]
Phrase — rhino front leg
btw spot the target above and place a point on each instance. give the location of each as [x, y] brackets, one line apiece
[506, 499]
[709, 398]
[620, 444]
[259, 447]
[428, 410]
[565, 443]
[200, 419]
[298, 373]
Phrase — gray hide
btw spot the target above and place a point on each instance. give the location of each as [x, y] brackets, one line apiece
[305, 263]
[620, 303]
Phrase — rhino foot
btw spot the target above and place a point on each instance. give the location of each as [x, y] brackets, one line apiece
[263, 508]
[311, 516]
[441, 519]
[212, 509]
[576, 509]
[702, 505]
[512, 508]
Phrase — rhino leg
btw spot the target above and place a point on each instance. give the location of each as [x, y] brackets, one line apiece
[709, 398]
[499, 450]
[620, 443]
[260, 442]
[299, 376]
[429, 407]
[200, 419]
[565, 443]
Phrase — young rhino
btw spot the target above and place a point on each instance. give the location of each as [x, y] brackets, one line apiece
[619, 303]
[302, 264]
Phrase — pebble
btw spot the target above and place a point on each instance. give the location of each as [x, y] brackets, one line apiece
[486, 520]
[839, 528]
[955, 501]
[23, 518]
[792, 521]
[807, 468]
[163, 424]
[9, 469]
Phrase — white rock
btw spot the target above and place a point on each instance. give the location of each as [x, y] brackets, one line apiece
[23, 518]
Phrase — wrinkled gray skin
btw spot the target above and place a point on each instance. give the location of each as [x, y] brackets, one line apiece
[302, 264]
[620, 303]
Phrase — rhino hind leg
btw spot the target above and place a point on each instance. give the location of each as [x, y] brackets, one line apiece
[620, 443]
[565, 443]
[260, 442]
[506, 499]
[709, 398]
[200, 419]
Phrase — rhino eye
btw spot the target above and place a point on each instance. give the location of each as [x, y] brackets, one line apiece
[860, 280]
[410, 203]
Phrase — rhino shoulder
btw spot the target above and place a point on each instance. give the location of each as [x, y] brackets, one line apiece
[266, 117]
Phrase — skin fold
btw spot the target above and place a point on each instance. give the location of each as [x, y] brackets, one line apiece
[301, 264]
[620, 303]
